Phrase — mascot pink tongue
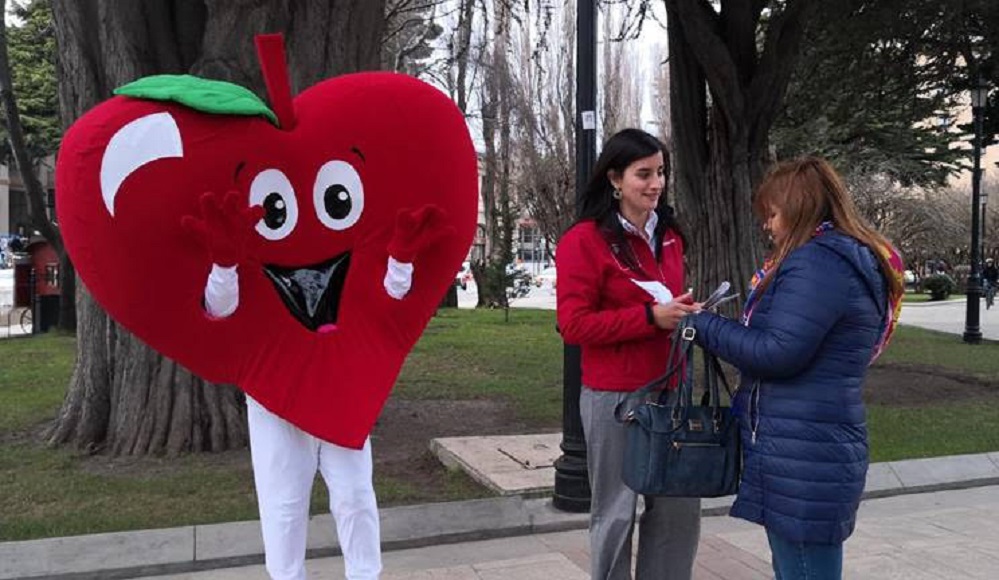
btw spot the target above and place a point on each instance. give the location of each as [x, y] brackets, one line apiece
[316, 203]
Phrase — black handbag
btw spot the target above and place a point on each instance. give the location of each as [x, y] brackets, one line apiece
[676, 448]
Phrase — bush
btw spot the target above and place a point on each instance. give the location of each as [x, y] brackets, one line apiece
[940, 286]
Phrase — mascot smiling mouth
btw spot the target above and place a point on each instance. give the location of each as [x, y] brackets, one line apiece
[312, 293]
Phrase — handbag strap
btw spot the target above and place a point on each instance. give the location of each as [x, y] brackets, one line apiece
[680, 357]
[713, 374]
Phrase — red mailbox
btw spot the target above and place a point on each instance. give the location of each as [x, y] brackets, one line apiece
[45, 262]
[40, 265]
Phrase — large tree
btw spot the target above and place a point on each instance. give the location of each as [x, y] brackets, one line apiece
[411, 28]
[498, 203]
[879, 84]
[730, 63]
[873, 69]
[123, 396]
[544, 92]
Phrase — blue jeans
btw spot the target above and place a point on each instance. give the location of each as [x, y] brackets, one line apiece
[805, 561]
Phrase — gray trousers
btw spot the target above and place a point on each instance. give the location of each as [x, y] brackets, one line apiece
[668, 529]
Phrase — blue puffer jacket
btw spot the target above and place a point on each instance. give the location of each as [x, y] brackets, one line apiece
[803, 360]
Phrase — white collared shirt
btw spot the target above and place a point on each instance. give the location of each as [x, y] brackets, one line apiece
[650, 229]
[656, 289]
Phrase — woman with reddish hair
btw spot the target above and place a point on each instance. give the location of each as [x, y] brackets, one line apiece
[821, 309]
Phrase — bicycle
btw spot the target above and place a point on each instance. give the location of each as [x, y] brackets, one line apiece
[25, 321]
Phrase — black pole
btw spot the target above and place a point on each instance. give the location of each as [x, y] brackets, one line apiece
[35, 311]
[972, 328]
[572, 485]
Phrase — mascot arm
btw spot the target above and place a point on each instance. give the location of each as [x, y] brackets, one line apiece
[398, 278]
[225, 230]
[416, 232]
[222, 291]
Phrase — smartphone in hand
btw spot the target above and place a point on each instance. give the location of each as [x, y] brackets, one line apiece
[718, 296]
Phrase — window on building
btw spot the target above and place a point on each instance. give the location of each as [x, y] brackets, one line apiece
[530, 244]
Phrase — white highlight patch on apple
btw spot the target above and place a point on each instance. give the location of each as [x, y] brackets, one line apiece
[659, 292]
[142, 141]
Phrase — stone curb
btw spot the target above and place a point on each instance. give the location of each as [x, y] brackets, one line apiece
[194, 548]
[934, 302]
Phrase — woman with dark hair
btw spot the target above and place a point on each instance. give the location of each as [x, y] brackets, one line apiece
[821, 309]
[620, 293]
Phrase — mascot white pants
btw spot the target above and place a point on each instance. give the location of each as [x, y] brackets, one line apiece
[285, 461]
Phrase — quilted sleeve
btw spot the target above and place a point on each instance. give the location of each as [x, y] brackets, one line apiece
[809, 295]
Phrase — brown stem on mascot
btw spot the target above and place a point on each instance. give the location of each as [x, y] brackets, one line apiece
[274, 67]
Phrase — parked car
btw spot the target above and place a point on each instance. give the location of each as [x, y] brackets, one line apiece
[519, 280]
[546, 278]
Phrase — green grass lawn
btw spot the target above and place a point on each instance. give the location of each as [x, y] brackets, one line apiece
[949, 428]
[463, 354]
[53, 492]
[33, 377]
[915, 297]
[918, 346]
[468, 354]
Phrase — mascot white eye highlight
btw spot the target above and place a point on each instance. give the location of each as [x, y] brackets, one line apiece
[272, 190]
[142, 141]
[338, 195]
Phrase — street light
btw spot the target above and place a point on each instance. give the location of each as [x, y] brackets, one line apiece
[972, 329]
[983, 219]
[572, 486]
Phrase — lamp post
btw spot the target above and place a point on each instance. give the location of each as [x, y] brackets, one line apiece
[972, 329]
[572, 485]
[983, 218]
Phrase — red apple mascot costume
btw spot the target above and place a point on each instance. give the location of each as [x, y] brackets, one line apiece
[297, 252]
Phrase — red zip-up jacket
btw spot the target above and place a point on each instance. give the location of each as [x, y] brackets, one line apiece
[602, 309]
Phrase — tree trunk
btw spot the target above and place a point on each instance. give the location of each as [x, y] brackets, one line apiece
[721, 151]
[124, 397]
[488, 190]
[490, 276]
[462, 53]
[730, 247]
[67, 298]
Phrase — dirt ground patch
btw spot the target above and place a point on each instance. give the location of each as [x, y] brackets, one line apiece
[400, 444]
[912, 385]
[401, 438]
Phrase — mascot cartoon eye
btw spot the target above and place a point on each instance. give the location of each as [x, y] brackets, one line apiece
[338, 195]
[272, 190]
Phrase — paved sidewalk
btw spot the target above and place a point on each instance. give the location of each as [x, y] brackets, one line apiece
[944, 535]
[10, 319]
[950, 317]
[436, 529]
